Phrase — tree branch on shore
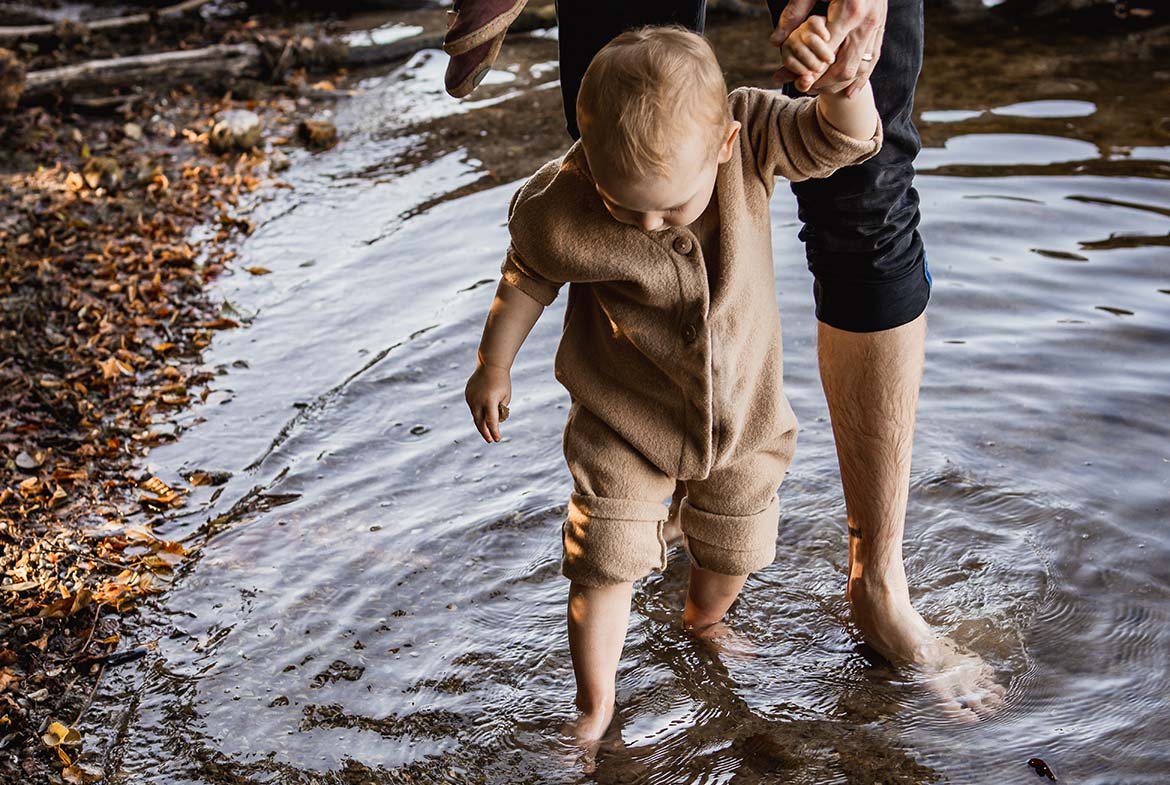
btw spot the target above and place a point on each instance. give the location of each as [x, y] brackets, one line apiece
[21, 32]
[266, 56]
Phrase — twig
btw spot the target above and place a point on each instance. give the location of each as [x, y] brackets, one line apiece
[85, 707]
[33, 31]
[97, 614]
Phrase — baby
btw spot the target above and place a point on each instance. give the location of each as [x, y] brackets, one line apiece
[658, 220]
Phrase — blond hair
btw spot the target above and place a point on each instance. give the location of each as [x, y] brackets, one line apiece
[641, 88]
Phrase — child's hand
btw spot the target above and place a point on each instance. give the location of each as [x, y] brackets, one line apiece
[806, 53]
[488, 391]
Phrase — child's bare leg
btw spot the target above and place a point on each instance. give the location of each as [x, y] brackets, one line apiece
[709, 595]
[598, 619]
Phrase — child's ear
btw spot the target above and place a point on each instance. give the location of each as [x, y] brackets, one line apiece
[729, 143]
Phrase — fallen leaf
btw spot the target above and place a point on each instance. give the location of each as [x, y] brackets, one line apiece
[113, 366]
[81, 773]
[155, 485]
[20, 586]
[59, 734]
[8, 677]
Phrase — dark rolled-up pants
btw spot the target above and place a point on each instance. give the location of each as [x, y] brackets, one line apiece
[860, 225]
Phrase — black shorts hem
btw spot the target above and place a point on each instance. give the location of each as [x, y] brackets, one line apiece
[872, 306]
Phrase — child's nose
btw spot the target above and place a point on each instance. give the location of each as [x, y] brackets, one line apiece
[651, 222]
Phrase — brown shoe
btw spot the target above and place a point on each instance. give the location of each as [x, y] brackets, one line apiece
[465, 71]
[472, 23]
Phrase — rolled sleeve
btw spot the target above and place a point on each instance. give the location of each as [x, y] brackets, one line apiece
[788, 139]
[527, 280]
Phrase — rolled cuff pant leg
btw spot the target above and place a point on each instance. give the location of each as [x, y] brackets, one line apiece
[731, 518]
[613, 530]
[731, 544]
[608, 541]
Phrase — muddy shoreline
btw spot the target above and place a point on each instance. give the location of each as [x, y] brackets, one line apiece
[118, 215]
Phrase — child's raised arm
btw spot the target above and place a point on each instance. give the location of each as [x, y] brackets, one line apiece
[510, 319]
[856, 117]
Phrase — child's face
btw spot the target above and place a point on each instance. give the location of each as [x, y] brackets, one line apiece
[677, 198]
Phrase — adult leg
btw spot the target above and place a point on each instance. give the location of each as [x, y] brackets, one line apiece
[871, 289]
[587, 25]
[871, 384]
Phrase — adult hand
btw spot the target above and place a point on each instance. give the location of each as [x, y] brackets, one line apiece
[856, 29]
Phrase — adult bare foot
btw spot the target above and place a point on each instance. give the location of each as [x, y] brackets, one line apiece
[962, 683]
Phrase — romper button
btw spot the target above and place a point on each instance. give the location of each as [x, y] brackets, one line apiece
[689, 333]
[683, 244]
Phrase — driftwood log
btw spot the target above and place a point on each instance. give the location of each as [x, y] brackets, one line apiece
[21, 32]
[212, 61]
[264, 57]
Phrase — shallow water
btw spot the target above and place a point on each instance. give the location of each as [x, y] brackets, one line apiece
[378, 596]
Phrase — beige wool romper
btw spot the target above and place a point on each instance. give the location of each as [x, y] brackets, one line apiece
[672, 361]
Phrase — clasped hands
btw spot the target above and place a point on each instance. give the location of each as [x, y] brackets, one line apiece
[832, 53]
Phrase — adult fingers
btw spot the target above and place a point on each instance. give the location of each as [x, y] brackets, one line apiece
[845, 16]
[848, 62]
[790, 18]
[851, 25]
[874, 48]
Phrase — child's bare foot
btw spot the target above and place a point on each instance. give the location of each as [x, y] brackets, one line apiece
[723, 641]
[584, 734]
[589, 727]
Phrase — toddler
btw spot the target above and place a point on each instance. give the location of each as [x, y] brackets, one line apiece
[658, 220]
